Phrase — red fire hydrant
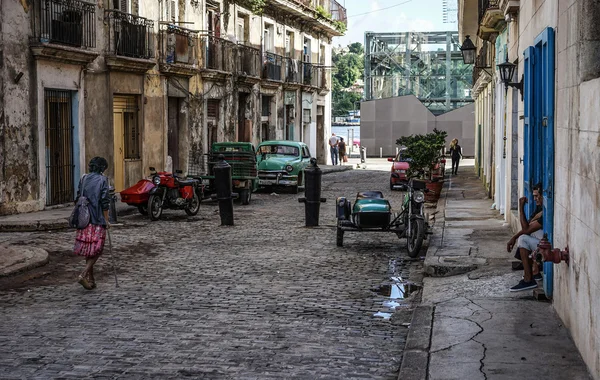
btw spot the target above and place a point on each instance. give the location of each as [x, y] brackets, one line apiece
[553, 255]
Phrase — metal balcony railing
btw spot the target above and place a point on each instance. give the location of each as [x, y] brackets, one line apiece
[309, 74]
[65, 22]
[129, 35]
[273, 66]
[218, 53]
[484, 5]
[248, 60]
[293, 70]
[178, 45]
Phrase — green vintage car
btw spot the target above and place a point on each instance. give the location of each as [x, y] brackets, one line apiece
[282, 163]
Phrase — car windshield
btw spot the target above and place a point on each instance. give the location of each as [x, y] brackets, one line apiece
[402, 157]
[279, 149]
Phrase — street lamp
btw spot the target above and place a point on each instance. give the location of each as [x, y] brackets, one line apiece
[468, 51]
[507, 70]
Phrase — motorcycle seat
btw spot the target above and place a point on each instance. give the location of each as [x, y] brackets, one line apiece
[187, 182]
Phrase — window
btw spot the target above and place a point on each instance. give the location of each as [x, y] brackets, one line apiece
[170, 10]
[289, 44]
[132, 135]
[268, 38]
[121, 5]
[305, 152]
[242, 32]
[307, 50]
[266, 106]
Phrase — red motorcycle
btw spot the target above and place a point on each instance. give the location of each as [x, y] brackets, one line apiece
[164, 191]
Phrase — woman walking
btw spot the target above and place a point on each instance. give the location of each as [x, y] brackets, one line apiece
[89, 242]
[342, 151]
[456, 154]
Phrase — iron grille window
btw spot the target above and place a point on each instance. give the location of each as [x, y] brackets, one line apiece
[266, 106]
[59, 147]
[65, 22]
[132, 134]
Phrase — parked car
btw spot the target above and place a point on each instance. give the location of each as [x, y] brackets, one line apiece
[400, 166]
[282, 163]
[241, 156]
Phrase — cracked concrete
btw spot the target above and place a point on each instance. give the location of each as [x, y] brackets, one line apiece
[479, 329]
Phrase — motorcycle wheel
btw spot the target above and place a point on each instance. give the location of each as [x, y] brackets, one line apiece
[143, 209]
[155, 207]
[245, 196]
[339, 241]
[194, 206]
[414, 241]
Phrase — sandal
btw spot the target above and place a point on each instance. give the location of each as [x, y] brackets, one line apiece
[84, 282]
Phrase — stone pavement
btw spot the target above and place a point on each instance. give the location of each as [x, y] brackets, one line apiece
[16, 260]
[265, 299]
[469, 325]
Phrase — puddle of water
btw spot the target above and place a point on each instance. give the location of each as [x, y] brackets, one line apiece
[383, 315]
[396, 291]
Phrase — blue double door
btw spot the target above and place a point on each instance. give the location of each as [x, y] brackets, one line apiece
[538, 160]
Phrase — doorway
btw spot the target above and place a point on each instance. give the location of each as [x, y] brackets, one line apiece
[60, 181]
[538, 133]
[126, 145]
[173, 131]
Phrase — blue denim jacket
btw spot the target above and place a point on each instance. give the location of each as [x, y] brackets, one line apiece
[94, 186]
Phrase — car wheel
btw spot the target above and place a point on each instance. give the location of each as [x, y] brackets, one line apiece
[339, 241]
[391, 186]
[155, 207]
[245, 196]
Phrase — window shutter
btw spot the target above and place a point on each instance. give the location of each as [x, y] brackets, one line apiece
[123, 6]
[212, 108]
[173, 11]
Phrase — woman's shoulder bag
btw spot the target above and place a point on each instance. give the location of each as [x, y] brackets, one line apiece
[80, 217]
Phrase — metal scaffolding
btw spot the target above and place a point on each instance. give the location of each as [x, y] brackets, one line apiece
[428, 65]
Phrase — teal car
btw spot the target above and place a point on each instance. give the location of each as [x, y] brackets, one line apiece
[282, 163]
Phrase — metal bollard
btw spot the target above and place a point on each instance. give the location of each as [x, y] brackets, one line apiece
[223, 189]
[363, 154]
[112, 208]
[312, 192]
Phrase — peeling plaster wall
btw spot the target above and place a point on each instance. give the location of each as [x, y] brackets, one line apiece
[577, 175]
[19, 179]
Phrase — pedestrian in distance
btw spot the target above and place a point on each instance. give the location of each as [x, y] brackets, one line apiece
[333, 149]
[89, 241]
[456, 154]
[342, 150]
[527, 240]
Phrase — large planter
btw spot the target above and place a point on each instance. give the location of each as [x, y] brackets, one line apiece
[435, 190]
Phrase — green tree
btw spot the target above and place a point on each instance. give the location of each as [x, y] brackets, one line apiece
[356, 48]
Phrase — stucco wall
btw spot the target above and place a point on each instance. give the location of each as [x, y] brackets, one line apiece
[577, 179]
[385, 120]
[19, 178]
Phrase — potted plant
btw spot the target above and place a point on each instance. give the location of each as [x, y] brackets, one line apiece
[425, 152]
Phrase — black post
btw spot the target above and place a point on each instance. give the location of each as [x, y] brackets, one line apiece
[112, 208]
[312, 191]
[222, 171]
[363, 154]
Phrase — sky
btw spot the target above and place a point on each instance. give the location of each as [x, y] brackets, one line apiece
[407, 16]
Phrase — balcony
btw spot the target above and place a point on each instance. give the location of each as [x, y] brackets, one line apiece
[130, 41]
[491, 18]
[64, 30]
[217, 57]
[178, 49]
[248, 63]
[323, 79]
[273, 67]
[293, 71]
[326, 16]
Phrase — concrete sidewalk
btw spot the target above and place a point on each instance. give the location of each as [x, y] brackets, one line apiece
[469, 326]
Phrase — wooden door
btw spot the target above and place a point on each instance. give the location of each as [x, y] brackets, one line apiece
[119, 151]
[173, 132]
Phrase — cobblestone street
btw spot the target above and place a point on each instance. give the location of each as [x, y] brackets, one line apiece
[265, 299]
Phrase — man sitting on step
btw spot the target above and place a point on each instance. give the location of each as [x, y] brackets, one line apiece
[527, 240]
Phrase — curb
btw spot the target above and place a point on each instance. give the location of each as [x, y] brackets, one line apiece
[415, 358]
[49, 224]
[336, 169]
[38, 258]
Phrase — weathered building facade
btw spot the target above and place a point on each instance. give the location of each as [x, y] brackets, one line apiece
[549, 135]
[151, 84]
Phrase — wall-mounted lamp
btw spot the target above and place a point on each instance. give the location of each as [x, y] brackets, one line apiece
[468, 51]
[507, 70]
